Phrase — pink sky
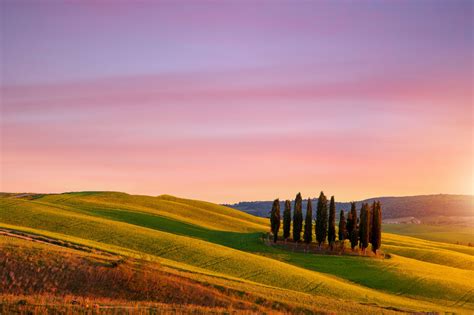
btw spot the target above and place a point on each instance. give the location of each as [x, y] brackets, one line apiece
[230, 102]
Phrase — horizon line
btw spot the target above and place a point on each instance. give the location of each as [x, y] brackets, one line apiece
[227, 203]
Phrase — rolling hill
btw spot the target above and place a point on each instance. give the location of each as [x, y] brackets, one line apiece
[219, 251]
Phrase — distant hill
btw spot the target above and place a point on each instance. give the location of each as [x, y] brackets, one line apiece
[393, 207]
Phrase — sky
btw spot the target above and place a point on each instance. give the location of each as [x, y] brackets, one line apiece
[237, 100]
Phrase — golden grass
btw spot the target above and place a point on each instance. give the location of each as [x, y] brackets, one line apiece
[34, 275]
[190, 211]
[199, 259]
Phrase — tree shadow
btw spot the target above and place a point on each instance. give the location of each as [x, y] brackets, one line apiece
[251, 242]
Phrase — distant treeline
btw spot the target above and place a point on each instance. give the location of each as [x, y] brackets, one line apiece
[394, 207]
[360, 231]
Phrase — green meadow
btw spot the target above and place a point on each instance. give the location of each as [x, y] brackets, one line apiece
[438, 233]
[215, 244]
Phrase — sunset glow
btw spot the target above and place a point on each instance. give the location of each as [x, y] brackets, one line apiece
[233, 101]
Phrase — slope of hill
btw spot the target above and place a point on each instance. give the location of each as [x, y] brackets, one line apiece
[217, 245]
[440, 232]
[393, 207]
[38, 268]
[189, 211]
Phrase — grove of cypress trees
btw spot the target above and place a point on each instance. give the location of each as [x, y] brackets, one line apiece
[287, 220]
[308, 223]
[342, 228]
[364, 226]
[376, 239]
[297, 218]
[322, 219]
[275, 219]
[332, 223]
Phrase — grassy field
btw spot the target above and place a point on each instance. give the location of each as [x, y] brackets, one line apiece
[438, 233]
[214, 244]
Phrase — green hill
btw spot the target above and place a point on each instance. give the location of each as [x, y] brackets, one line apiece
[222, 246]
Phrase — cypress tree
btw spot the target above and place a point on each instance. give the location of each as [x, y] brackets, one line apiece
[354, 231]
[371, 214]
[354, 214]
[275, 219]
[297, 218]
[354, 237]
[376, 239]
[364, 226]
[361, 219]
[360, 224]
[342, 228]
[322, 219]
[352, 219]
[349, 224]
[308, 223]
[332, 222]
[287, 220]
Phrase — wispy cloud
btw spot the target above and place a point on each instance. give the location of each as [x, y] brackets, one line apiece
[229, 102]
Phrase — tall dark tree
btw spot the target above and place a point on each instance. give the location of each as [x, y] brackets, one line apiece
[275, 219]
[349, 224]
[287, 220]
[371, 219]
[332, 223]
[322, 219]
[354, 226]
[354, 237]
[376, 234]
[352, 218]
[354, 213]
[308, 224]
[361, 213]
[342, 228]
[364, 226]
[297, 218]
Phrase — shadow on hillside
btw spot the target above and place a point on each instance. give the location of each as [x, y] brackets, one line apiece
[242, 241]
